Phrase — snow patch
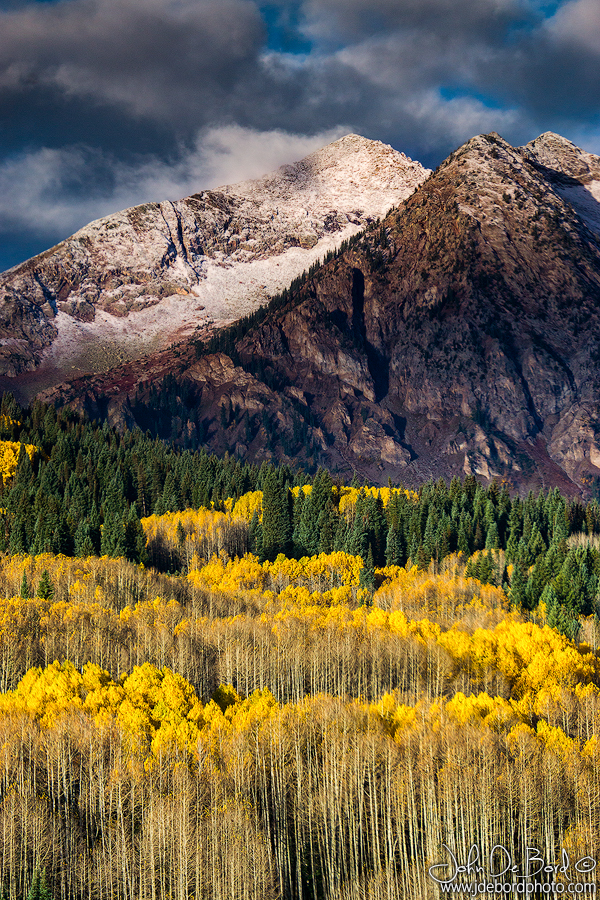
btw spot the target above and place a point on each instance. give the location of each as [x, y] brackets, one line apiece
[217, 256]
[585, 200]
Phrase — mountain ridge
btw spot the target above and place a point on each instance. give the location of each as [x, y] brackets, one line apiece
[456, 337]
[144, 277]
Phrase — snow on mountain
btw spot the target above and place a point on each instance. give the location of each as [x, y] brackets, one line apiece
[575, 173]
[138, 280]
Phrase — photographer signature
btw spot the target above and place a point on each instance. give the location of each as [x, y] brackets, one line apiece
[500, 862]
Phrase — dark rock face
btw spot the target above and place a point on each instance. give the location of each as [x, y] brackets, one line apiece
[460, 336]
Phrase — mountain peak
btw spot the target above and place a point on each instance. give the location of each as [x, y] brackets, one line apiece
[333, 172]
[143, 278]
[550, 139]
[561, 155]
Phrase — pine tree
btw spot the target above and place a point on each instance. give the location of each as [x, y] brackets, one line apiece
[478, 538]
[277, 520]
[377, 529]
[563, 620]
[25, 592]
[341, 534]
[313, 506]
[327, 527]
[83, 544]
[358, 536]
[45, 588]
[134, 538]
[514, 532]
[113, 536]
[518, 586]
[18, 542]
[367, 574]
[429, 537]
[62, 542]
[39, 890]
[422, 560]
[492, 540]
[486, 568]
[463, 539]
[42, 541]
[393, 548]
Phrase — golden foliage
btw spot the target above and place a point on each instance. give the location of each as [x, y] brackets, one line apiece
[349, 495]
[9, 456]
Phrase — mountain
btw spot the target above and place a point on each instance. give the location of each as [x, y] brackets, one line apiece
[460, 336]
[136, 281]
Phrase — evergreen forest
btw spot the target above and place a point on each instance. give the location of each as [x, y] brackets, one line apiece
[228, 680]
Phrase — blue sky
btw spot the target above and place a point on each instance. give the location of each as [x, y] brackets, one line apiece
[107, 103]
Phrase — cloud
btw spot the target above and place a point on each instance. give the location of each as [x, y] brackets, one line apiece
[160, 59]
[455, 120]
[48, 191]
[352, 20]
[116, 73]
[105, 103]
[232, 154]
[578, 23]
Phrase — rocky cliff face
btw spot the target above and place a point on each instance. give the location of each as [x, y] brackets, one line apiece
[460, 336]
[138, 280]
[468, 326]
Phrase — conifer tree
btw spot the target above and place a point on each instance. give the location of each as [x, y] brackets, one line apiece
[486, 568]
[358, 536]
[563, 620]
[312, 508]
[341, 534]
[45, 588]
[39, 889]
[492, 540]
[134, 538]
[422, 560]
[367, 573]
[463, 540]
[62, 542]
[277, 522]
[327, 528]
[393, 548]
[429, 537]
[18, 542]
[377, 528]
[113, 536]
[83, 545]
[25, 591]
[518, 585]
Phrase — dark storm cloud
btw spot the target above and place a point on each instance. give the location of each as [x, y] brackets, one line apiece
[554, 71]
[355, 19]
[173, 67]
[537, 69]
[169, 62]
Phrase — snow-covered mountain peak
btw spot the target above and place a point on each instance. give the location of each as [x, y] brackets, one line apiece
[135, 281]
[574, 173]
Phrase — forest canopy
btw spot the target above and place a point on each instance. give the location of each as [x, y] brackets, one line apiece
[221, 680]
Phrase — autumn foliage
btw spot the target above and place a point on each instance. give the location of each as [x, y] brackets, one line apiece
[234, 721]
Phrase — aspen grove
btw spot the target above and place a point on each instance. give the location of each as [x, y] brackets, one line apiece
[222, 681]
